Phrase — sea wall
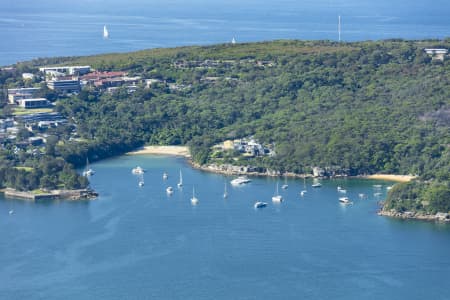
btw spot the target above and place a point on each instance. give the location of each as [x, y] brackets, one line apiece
[51, 195]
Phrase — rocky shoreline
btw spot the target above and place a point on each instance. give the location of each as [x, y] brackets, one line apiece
[228, 169]
[411, 215]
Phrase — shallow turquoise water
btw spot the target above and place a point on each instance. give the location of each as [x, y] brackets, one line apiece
[138, 243]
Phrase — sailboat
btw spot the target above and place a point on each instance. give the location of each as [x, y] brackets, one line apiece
[194, 199]
[225, 193]
[277, 197]
[105, 32]
[180, 183]
[316, 184]
[233, 41]
[141, 180]
[285, 185]
[88, 171]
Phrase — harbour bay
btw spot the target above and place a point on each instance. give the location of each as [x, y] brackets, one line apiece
[138, 242]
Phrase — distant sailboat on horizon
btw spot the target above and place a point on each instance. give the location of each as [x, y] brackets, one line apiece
[105, 32]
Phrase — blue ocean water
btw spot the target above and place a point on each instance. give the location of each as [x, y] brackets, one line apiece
[31, 29]
[139, 243]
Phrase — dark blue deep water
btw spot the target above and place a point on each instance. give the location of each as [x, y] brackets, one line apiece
[139, 243]
[31, 29]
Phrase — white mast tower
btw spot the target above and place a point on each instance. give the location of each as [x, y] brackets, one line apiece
[339, 28]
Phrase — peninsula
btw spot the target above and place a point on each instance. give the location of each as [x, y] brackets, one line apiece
[295, 107]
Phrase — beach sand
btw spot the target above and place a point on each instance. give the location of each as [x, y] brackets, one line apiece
[163, 150]
[398, 178]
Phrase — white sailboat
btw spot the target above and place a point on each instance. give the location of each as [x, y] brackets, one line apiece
[225, 193]
[194, 199]
[165, 175]
[285, 185]
[105, 32]
[141, 180]
[88, 171]
[277, 197]
[233, 41]
[180, 183]
[316, 184]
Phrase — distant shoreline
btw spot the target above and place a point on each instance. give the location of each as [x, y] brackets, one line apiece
[162, 150]
[184, 152]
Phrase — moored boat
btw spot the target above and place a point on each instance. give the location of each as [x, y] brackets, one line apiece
[137, 170]
[240, 180]
[259, 204]
[345, 200]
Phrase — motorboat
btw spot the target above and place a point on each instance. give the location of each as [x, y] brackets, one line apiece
[345, 200]
[169, 190]
[137, 170]
[259, 204]
[240, 180]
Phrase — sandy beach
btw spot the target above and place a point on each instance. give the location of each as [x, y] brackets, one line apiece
[163, 150]
[398, 178]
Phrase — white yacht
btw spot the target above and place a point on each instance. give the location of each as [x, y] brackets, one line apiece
[316, 185]
[302, 193]
[345, 200]
[165, 175]
[240, 180]
[260, 204]
[277, 197]
[137, 170]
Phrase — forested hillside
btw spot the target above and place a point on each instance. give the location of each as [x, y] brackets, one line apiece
[360, 108]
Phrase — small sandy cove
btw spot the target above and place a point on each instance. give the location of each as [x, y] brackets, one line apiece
[398, 178]
[164, 150]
